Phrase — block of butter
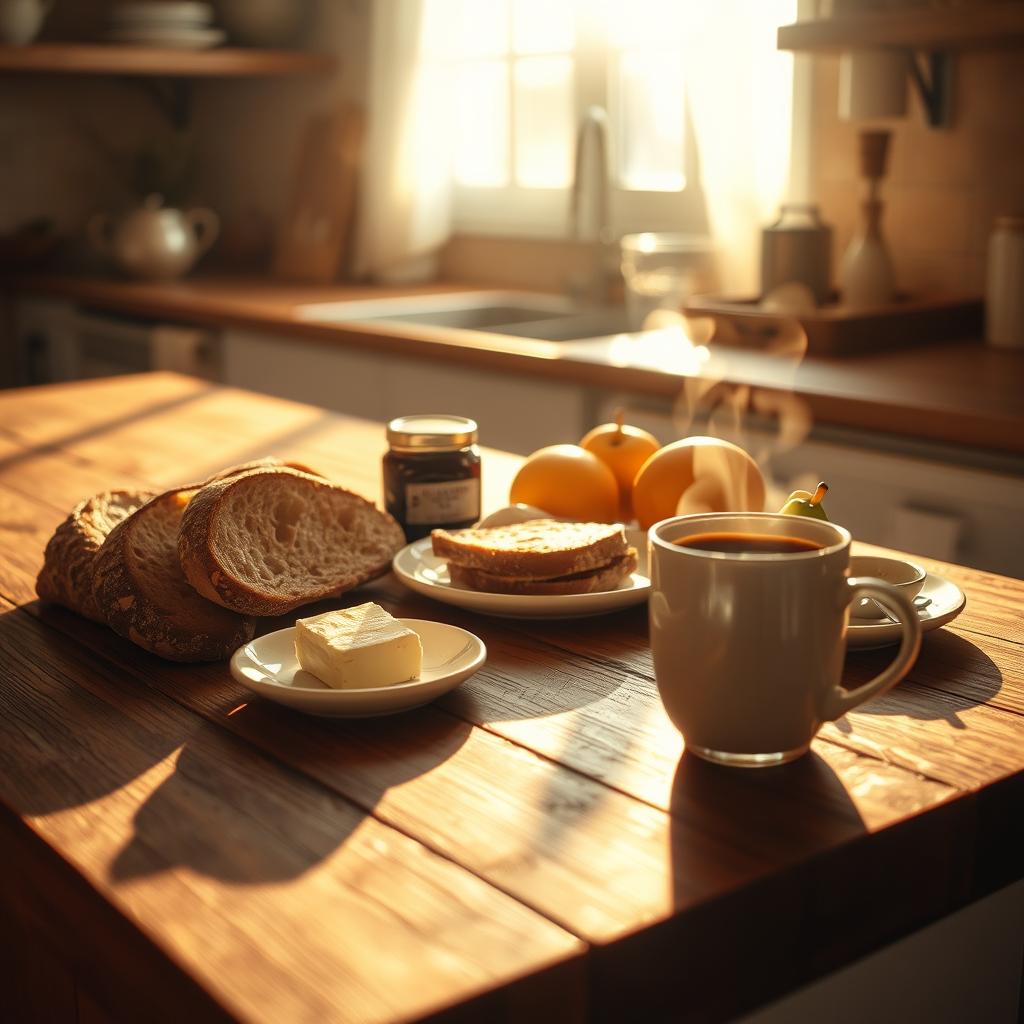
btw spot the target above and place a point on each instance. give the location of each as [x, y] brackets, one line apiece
[358, 648]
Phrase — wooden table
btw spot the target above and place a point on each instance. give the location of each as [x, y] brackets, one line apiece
[536, 845]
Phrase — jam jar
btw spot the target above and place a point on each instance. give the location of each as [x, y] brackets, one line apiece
[432, 473]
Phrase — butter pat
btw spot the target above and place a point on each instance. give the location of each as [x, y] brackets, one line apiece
[358, 648]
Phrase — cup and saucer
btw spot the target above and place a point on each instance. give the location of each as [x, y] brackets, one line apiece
[936, 599]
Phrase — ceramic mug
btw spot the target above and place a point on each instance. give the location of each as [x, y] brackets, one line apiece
[748, 647]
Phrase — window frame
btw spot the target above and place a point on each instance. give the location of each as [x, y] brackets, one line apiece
[517, 211]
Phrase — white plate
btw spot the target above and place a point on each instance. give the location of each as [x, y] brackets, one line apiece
[268, 666]
[946, 602]
[421, 570]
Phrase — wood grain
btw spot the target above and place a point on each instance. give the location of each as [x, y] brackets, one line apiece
[118, 59]
[540, 821]
[180, 825]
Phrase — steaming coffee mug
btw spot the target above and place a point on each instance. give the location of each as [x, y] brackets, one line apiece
[748, 623]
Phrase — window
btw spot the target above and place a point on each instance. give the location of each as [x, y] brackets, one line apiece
[523, 73]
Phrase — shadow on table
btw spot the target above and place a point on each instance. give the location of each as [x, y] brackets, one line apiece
[266, 793]
[72, 729]
[948, 663]
[177, 759]
[753, 920]
[774, 814]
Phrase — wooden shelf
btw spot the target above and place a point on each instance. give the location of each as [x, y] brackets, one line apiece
[970, 27]
[111, 59]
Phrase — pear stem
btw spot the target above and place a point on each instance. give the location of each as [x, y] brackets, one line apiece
[620, 419]
[819, 494]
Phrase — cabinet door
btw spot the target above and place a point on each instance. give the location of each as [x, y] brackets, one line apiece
[514, 412]
[335, 378]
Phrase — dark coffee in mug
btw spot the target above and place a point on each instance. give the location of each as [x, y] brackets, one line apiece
[748, 543]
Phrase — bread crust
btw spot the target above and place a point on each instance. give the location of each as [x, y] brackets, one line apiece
[161, 615]
[607, 577]
[67, 572]
[538, 549]
[205, 568]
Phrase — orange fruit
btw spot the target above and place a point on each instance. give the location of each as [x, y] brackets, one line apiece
[623, 449]
[568, 482]
[697, 474]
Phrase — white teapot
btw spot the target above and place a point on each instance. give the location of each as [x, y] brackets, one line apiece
[154, 242]
[21, 20]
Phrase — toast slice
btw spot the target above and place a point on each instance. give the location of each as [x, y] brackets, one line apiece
[538, 549]
[268, 541]
[66, 575]
[139, 587]
[608, 577]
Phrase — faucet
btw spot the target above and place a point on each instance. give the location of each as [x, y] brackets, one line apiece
[597, 286]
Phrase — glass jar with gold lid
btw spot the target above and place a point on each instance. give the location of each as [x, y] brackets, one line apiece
[432, 473]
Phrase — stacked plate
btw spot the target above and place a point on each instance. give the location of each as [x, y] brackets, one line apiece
[178, 25]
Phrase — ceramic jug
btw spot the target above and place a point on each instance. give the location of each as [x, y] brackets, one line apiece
[154, 242]
[21, 20]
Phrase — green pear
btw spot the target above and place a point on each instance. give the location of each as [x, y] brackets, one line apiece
[803, 503]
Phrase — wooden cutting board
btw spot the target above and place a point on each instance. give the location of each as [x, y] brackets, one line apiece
[314, 234]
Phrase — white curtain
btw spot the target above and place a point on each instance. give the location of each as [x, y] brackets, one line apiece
[404, 211]
[740, 91]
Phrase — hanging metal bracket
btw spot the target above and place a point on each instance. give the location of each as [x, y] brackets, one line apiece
[932, 75]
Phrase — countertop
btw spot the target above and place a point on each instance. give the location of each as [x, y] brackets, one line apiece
[958, 393]
[535, 845]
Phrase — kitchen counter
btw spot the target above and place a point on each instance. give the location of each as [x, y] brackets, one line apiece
[535, 845]
[960, 393]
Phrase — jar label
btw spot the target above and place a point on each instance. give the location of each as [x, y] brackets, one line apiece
[450, 501]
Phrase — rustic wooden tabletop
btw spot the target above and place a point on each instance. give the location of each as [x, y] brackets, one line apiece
[534, 845]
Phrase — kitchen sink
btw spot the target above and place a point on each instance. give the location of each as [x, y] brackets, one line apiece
[518, 314]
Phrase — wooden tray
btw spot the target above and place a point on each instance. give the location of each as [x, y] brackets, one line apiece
[833, 330]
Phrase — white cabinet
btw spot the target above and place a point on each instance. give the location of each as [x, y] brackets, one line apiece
[340, 379]
[515, 412]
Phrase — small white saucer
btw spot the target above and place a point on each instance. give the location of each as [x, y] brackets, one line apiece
[268, 666]
[945, 601]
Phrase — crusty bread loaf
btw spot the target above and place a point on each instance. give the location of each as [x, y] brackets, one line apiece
[268, 541]
[537, 549]
[607, 577]
[143, 594]
[267, 462]
[66, 575]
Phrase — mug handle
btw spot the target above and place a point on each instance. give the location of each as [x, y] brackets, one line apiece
[205, 225]
[838, 701]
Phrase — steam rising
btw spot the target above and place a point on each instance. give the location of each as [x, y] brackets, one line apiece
[765, 421]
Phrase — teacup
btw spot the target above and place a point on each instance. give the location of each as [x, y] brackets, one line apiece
[907, 576]
[748, 620]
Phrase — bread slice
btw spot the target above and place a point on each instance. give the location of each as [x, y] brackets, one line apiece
[66, 575]
[143, 594]
[267, 462]
[269, 541]
[607, 577]
[538, 549]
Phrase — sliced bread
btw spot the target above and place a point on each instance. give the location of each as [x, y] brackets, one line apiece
[607, 577]
[538, 549]
[66, 575]
[143, 594]
[268, 541]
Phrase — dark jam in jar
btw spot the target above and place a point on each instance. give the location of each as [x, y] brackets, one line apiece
[432, 473]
